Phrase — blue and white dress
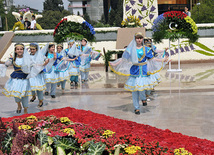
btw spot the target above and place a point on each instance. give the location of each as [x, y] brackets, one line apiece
[74, 65]
[17, 85]
[140, 66]
[55, 75]
[139, 79]
[86, 56]
[37, 82]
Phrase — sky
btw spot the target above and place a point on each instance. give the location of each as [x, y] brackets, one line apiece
[36, 4]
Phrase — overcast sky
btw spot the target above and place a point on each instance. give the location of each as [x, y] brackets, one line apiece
[36, 4]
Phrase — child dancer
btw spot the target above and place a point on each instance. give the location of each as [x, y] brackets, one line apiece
[138, 63]
[37, 83]
[61, 52]
[18, 86]
[73, 55]
[53, 76]
[86, 56]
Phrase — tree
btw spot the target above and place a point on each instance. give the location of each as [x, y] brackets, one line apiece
[203, 13]
[87, 18]
[116, 13]
[54, 5]
[51, 18]
[2, 15]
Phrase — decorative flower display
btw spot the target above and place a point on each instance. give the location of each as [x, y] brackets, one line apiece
[132, 149]
[108, 133]
[174, 25]
[131, 21]
[18, 25]
[182, 151]
[48, 133]
[26, 13]
[74, 27]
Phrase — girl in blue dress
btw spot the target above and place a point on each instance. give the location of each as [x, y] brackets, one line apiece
[53, 74]
[138, 63]
[37, 82]
[86, 56]
[18, 86]
[61, 52]
[73, 54]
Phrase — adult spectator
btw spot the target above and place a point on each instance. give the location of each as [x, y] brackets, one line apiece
[27, 24]
[21, 19]
[187, 12]
[33, 23]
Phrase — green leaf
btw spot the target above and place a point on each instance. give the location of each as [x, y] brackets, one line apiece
[204, 47]
[65, 143]
[117, 151]
[42, 137]
[96, 148]
[60, 151]
[204, 53]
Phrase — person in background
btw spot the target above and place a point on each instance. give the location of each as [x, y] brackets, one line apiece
[33, 23]
[187, 12]
[27, 24]
[21, 19]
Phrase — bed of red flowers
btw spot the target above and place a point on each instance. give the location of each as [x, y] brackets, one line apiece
[105, 132]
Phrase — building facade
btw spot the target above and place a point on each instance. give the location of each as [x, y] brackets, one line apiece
[94, 8]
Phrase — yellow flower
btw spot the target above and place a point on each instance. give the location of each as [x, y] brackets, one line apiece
[182, 151]
[65, 120]
[24, 127]
[32, 117]
[132, 149]
[69, 131]
[192, 23]
[108, 133]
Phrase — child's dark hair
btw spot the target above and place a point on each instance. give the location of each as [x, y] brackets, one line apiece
[50, 45]
[16, 45]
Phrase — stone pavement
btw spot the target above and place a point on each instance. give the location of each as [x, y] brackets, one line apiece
[183, 102]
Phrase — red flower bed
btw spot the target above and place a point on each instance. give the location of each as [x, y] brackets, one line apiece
[121, 127]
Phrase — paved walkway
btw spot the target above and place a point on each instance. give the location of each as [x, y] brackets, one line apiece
[183, 102]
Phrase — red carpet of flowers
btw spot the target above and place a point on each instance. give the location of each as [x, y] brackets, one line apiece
[166, 138]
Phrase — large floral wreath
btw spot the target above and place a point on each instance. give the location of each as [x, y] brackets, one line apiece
[174, 25]
[74, 27]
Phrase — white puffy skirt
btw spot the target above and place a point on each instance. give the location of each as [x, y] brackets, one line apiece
[141, 83]
[55, 76]
[17, 88]
[38, 82]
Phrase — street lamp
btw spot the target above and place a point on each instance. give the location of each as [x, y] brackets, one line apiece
[6, 12]
[198, 4]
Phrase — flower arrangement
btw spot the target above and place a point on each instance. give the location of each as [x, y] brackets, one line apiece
[50, 135]
[131, 21]
[22, 11]
[47, 133]
[174, 25]
[18, 25]
[182, 151]
[74, 27]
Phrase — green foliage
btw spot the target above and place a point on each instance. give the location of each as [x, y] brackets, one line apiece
[87, 18]
[203, 13]
[108, 56]
[51, 18]
[10, 18]
[7, 143]
[53, 5]
[96, 148]
[65, 143]
[116, 14]
[42, 137]
[72, 30]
